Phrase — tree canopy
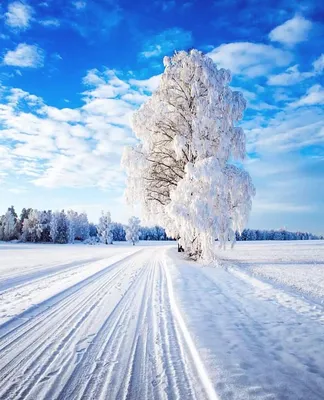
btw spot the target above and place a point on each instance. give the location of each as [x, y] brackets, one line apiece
[182, 169]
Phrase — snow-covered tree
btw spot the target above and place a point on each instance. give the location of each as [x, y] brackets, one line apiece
[118, 232]
[83, 229]
[59, 227]
[104, 228]
[78, 226]
[54, 225]
[16, 234]
[45, 220]
[23, 215]
[133, 230]
[72, 219]
[32, 227]
[8, 226]
[92, 229]
[183, 177]
[62, 228]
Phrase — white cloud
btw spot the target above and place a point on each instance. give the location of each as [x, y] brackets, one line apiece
[57, 56]
[288, 130]
[149, 84]
[291, 32]
[79, 5]
[155, 51]
[290, 77]
[96, 78]
[63, 115]
[318, 64]
[16, 95]
[25, 56]
[251, 59]
[71, 147]
[18, 15]
[136, 98]
[166, 42]
[106, 82]
[314, 96]
[93, 78]
[51, 22]
[7, 163]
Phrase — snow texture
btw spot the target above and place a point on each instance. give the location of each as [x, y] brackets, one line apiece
[125, 322]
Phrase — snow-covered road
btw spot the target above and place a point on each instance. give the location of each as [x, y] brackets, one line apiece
[129, 322]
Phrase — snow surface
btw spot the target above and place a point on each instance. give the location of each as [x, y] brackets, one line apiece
[298, 265]
[141, 322]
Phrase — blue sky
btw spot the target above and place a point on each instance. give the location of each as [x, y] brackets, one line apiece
[73, 72]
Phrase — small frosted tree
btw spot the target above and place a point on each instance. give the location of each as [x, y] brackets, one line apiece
[83, 232]
[45, 220]
[54, 226]
[133, 230]
[78, 226]
[104, 228]
[184, 178]
[59, 227]
[9, 226]
[32, 227]
[17, 230]
[62, 228]
[23, 215]
[72, 221]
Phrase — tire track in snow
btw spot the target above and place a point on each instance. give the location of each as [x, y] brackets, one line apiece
[203, 375]
[69, 336]
[40, 310]
[255, 348]
[68, 308]
[12, 283]
[118, 334]
[106, 347]
[34, 293]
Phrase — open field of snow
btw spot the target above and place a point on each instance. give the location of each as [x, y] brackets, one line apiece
[141, 322]
[298, 265]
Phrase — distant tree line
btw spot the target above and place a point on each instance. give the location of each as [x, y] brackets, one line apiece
[281, 234]
[66, 227]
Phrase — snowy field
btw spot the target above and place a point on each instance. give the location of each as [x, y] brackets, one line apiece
[141, 322]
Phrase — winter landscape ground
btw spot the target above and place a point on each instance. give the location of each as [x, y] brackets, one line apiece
[142, 322]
